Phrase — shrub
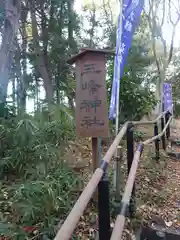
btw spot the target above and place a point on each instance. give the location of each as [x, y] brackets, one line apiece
[29, 142]
[41, 203]
[37, 189]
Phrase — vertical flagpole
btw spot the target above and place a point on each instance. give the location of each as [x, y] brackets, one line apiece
[118, 90]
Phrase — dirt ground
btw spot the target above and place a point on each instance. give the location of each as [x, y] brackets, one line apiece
[157, 187]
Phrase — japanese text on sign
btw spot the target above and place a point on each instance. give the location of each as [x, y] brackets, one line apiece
[93, 103]
[92, 116]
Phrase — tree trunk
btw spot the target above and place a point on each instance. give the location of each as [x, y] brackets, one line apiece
[159, 92]
[93, 22]
[72, 43]
[40, 57]
[23, 82]
[71, 104]
[21, 90]
[14, 93]
[73, 48]
[11, 25]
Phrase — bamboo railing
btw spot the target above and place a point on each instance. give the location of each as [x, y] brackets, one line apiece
[72, 220]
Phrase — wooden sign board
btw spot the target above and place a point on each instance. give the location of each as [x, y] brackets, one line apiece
[91, 95]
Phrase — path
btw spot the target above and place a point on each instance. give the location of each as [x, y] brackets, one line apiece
[163, 200]
[157, 193]
[157, 188]
[172, 208]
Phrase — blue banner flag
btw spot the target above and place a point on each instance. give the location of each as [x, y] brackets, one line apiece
[131, 12]
[167, 97]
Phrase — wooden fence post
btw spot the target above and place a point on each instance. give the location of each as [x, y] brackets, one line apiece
[156, 142]
[130, 156]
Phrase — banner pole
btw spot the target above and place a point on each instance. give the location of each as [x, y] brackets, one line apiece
[118, 93]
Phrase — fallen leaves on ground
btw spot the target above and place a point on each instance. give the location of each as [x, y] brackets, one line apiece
[157, 193]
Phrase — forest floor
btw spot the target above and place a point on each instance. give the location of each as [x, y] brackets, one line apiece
[157, 189]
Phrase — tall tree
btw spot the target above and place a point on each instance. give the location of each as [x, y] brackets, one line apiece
[41, 52]
[157, 14]
[9, 31]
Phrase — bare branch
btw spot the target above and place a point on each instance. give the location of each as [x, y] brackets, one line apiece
[110, 9]
[178, 4]
[155, 55]
[151, 26]
[172, 12]
[108, 12]
[174, 30]
[155, 26]
[164, 10]
[177, 9]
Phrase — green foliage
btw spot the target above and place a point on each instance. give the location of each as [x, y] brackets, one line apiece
[37, 188]
[28, 142]
[136, 100]
[41, 198]
[176, 109]
[39, 202]
[138, 136]
[42, 202]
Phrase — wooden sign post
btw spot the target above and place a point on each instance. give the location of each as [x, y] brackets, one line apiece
[91, 97]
